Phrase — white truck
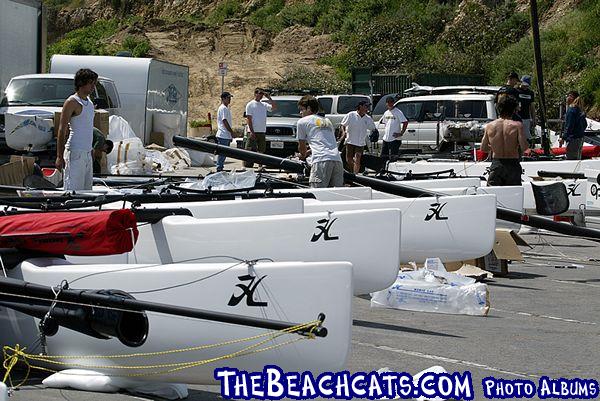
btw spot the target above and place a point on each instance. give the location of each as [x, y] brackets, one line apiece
[30, 101]
[22, 42]
[153, 93]
[22, 38]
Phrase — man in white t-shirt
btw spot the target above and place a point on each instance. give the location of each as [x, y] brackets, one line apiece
[256, 115]
[326, 164]
[224, 130]
[355, 126]
[395, 126]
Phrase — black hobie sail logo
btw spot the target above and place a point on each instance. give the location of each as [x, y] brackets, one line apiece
[436, 211]
[324, 227]
[572, 188]
[247, 291]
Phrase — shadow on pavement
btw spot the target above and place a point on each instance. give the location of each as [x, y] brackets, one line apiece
[384, 326]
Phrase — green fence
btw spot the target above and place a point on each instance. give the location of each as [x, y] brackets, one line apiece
[365, 82]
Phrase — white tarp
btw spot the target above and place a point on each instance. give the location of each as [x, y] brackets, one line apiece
[30, 130]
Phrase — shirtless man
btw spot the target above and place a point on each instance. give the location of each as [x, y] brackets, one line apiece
[505, 141]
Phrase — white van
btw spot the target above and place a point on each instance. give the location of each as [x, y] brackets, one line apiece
[154, 93]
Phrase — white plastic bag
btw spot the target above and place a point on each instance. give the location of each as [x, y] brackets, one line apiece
[425, 290]
[201, 159]
[119, 129]
[224, 180]
[89, 380]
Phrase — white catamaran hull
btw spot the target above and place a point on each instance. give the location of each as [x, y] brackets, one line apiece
[307, 237]
[294, 292]
[452, 228]
[479, 169]
[333, 194]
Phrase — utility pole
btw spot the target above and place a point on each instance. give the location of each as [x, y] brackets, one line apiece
[537, 53]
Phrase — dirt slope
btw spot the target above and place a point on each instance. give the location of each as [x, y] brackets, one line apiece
[251, 57]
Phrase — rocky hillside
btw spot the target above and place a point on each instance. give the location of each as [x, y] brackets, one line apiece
[315, 43]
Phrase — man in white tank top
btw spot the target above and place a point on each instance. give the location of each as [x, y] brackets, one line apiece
[76, 129]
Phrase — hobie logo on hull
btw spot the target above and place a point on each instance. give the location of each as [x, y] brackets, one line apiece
[436, 211]
[324, 227]
[247, 291]
[572, 188]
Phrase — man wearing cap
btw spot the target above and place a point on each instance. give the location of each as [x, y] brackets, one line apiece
[256, 115]
[510, 90]
[355, 127]
[224, 130]
[527, 112]
[395, 126]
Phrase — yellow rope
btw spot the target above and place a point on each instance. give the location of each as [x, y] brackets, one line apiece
[12, 355]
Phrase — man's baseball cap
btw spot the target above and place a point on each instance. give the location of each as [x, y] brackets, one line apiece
[513, 75]
[225, 94]
[526, 80]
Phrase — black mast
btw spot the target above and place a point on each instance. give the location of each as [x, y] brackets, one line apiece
[537, 53]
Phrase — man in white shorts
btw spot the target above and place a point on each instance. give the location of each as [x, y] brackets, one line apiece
[76, 128]
[326, 164]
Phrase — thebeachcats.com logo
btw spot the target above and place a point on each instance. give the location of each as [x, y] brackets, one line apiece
[272, 383]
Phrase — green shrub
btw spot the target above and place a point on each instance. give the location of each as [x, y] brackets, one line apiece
[303, 78]
[266, 15]
[139, 47]
[87, 40]
[223, 11]
[199, 123]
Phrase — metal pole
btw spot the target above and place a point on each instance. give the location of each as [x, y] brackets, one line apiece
[537, 52]
[19, 287]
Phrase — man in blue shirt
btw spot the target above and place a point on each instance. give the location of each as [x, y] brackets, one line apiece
[575, 126]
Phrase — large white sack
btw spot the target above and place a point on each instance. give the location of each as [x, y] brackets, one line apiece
[427, 290]
[119, 129]
[128, 157]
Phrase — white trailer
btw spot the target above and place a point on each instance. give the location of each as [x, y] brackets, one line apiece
[22, 39]
[153, 93]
